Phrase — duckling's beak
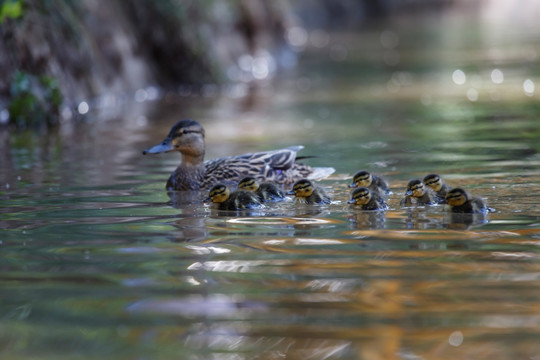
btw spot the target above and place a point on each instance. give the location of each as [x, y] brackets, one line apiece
[352, 185]
[408, 193]
[351, 201]
[165, 146]
[290, 192]
[207, 200]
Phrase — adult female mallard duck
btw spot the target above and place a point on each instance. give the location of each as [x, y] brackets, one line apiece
[418, 194]
[435, 183]
[265, 191]
[237, 200]
[306, 192]
[187, 137]
[364, 198]
[376, 184]
[461, 203]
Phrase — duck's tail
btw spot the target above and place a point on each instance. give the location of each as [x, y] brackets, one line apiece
[321, 173]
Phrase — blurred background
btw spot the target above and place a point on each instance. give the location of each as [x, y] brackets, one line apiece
[64, 59]
[96, 261]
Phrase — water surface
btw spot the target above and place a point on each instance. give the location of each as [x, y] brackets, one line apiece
[98, 262]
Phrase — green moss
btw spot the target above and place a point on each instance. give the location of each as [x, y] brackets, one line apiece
[35, 100]
[12, 9]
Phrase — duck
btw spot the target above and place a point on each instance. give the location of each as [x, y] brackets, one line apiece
[265, 191]
[224, 199]
[306, 192]
[436, 183]
[461, 203]
[373, 182]
[194, 173]
[364, 198]
[418, 194]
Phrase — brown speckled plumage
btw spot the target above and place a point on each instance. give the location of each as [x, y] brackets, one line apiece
[187, 137]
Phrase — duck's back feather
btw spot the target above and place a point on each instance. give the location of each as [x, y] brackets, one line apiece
[277, 166]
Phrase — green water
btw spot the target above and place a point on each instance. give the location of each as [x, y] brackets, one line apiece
[98, 262]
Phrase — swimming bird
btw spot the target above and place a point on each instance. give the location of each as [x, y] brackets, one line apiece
[363, 197]
[437, 184]
[373, 182]
[307, 193]
[265, 191]
[236, 200]
[460, 202]
[418, 194]
[187, 137]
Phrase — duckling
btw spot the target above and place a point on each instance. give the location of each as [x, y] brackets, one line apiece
[373, 182]
[362, 196]
[237, 200]
[437, 184]
[460, 202]
[418, 194]
[265, 191]
[187, 137]
[307, 193]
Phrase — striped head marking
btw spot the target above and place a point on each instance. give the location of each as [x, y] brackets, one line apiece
[415, 188]
[219, 193]
[433, 181]
[249, 184]
[457, 197]
[362, 179]
[303, 188]
[360, 196]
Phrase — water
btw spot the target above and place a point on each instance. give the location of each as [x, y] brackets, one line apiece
[98, 262]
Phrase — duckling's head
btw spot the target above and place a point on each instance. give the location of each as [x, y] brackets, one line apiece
[457, 197]
[360, 196]
[415, 188]
[433, 181]
[218, 194]
[361, 179]
[248, 183]
[186, 136]
[302, 188]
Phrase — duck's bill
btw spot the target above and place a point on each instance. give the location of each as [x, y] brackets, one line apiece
[351, 202]
[165, 146]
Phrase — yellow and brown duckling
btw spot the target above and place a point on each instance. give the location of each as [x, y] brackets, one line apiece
[461, 203]
[418, 194]
[236, 200]
[371, 181]
[187, 137]
[364, 198]
[307, 193]
[266, 191]
[435, 183]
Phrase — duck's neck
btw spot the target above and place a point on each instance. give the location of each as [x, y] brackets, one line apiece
[192, 160]
[194, 155]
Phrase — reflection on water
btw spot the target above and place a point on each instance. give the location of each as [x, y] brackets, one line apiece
[99, 261]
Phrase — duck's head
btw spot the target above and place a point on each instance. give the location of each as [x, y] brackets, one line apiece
[415, 188]
[186, 136]
[302, 189]
[457, 197]
[360, 196]
[218, 194]
[248, 183]
[433, 181]
[361, 179]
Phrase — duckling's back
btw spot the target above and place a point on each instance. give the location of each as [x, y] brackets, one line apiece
[318, 196]
[241, 199]
[269, 192]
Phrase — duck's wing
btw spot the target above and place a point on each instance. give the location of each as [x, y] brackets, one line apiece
[281, 159]
[276, 165]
